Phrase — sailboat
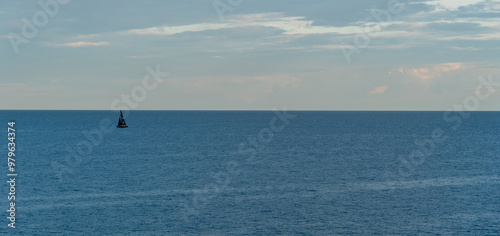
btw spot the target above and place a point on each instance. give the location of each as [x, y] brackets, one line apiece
[121, 121]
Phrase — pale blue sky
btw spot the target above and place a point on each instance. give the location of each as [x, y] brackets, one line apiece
[421, 55]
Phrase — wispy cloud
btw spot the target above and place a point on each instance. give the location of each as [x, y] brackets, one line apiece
[379, 90]
[260, 57]
[464, 48]
[451, 5]
[290, 25]
[376, 47]
[433, 71]
[80, 44]
[477, 37]
[171, 30]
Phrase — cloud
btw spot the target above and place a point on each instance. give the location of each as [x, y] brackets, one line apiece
[379, 90]
[477, 37]
[421, 28]
[451, 5]
[290, 25]
[80, 44]
[464, 48]
[376, 47]
[171, 30]
[433, 71]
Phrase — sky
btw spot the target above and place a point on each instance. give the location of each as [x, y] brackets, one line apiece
[249, 54]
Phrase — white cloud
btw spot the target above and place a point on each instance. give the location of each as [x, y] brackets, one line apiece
[411, 33]
[478, 37]
[379, 90]
[451, 5]
[80, 44]
[290, 25]
[377, 47]
[171, 30]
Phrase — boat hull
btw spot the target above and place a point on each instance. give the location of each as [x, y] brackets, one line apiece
[121, 126]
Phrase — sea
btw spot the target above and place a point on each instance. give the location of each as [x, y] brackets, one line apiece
[252, 173]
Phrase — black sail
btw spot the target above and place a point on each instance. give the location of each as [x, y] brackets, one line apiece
[121, 120]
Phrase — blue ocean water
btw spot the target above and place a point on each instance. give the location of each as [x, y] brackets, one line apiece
[254, 173]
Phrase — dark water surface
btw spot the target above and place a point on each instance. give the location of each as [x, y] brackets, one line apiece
[247, 173]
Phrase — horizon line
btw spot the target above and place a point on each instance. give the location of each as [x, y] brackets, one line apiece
[326, 110]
